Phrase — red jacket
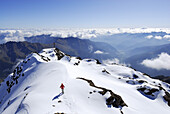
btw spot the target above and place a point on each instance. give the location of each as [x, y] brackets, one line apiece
[62, 86]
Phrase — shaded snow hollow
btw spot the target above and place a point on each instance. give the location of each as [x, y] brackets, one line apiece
[90, 87]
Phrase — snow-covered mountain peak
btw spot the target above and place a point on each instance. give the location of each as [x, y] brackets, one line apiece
[90, 87]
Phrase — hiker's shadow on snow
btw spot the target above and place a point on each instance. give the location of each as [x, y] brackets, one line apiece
[56, 97]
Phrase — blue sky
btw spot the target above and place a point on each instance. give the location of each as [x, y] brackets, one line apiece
[84, 13]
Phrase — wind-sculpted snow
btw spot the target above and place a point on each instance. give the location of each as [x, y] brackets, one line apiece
[34, 87]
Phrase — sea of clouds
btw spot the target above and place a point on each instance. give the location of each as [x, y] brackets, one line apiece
[19, 34]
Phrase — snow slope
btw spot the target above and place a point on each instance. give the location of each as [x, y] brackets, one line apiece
[34, 88]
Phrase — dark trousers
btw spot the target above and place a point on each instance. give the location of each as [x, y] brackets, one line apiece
[62, 91]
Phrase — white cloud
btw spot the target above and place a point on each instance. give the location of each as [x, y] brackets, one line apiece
[166, 36]
[162, 62]
[12, 35]
[6, 39]
[98, 52]
[114, 61]
[158, 37]
[149, 36]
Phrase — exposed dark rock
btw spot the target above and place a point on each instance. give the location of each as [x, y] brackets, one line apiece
[77, 63]
[97, 61]
[153, 90]
[146, 74]
[167, 97]
[132, 68]
[53, 105]
[134, 82]
[103, 92]
[135, 76]
[141, 81]
[121, 112]
[7, 83]
[114, 99]
[79, 58]
[9, 89]
[16, 81]
[43, 57]
[59, 54]
[48, 59]
[12, 83]
[59, 101]
[105, 71]
[149, 92]
[25, 62]
[68, 55]
[14, 78]
[89, 60]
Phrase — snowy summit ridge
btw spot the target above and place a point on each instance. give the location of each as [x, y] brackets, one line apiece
[90, 87]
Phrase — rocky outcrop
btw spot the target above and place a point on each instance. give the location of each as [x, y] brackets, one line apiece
[114, 99]
[149, 92]
[59, 54]
[167, 97]
[105, 71]
[97, 61]
[14, 78]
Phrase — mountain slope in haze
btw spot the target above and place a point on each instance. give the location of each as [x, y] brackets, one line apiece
[90, 87]
[154, 50]
[44, 39]
[128, 41]
[78, 47]
[163, 78]
[88, 49]
[149, 52]
[10, 52]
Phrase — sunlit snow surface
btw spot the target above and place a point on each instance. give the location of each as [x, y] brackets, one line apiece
[38, 90]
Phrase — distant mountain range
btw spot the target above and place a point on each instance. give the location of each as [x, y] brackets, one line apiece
[128, 41]
[10, 52]
[149, 52]
[78, 47]
[153, 50]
